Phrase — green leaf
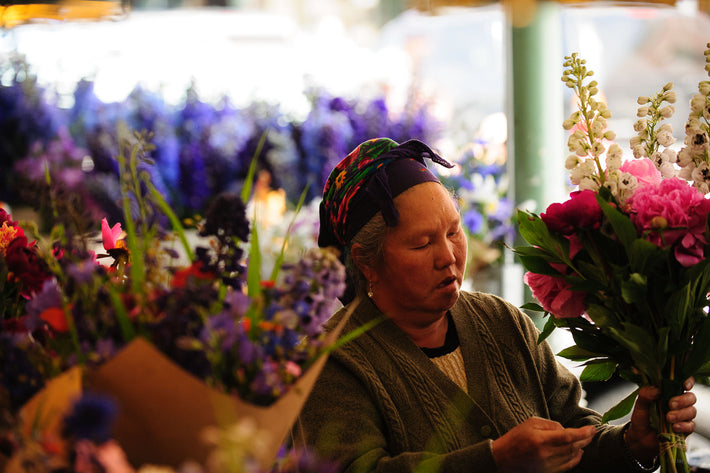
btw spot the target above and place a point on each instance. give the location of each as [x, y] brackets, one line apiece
[124, 321]
[699, 354]
[635, 289]
[645, 257]
[577, 353]
[622, 408]
[547, 330]
[249, 180]
[538, 265]
[648, 353]
[702, 375]
[602, 316]
[535, 232]
[532, 306]
[254, 265]
[533, 251]
[622, 224]
[351, 335]
[676, 309]
[280, 259]
[598, 371]
[174, 220]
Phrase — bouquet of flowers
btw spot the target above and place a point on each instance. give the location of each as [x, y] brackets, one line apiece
[623, 264]
[216, 331]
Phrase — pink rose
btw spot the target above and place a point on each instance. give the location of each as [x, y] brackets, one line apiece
[554, 295]
[580, 211]
[672, 214]
[643, 169]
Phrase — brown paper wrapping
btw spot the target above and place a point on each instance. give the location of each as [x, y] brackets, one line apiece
[163, 410]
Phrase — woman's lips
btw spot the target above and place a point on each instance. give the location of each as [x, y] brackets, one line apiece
[447, 282]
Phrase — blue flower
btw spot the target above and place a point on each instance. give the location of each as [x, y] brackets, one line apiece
[473, 221]
[91, 418]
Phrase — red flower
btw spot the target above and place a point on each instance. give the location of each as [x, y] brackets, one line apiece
[25, 265]
[554, 295]
[580, 211]
[181, 276]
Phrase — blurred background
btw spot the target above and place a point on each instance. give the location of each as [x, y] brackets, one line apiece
[299, 83]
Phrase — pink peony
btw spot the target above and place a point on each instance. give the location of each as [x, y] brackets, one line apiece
[554, 295]
[644, 170]
[672, 214]
[581, 210]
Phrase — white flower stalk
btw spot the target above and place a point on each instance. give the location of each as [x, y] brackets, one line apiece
[589, 123]
[652, 135]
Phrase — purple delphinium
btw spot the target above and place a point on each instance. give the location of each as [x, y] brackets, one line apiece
[325, 137]
[312, 287]
[28, 115]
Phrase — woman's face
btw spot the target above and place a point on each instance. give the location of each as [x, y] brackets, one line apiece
[424, 257]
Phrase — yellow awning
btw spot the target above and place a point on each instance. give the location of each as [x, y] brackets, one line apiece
[64, 10]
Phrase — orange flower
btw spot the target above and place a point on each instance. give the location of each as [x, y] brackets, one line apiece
[7, 234]
[56, 319]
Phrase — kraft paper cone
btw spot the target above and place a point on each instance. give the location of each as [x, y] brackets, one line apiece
[42, 416]
[163, 409]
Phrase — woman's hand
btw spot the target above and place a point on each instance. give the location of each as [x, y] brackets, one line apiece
[541, 446]
[641, 439]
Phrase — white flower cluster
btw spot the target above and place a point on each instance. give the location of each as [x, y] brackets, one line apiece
[693, 158]
[589, 136]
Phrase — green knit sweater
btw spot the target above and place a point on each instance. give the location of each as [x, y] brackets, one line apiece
[381, 405]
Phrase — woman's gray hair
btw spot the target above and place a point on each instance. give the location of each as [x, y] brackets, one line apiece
[371, 239]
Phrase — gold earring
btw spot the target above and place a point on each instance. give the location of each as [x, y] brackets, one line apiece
[370, 292]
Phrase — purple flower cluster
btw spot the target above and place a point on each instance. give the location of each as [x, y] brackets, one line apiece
[201, 149]
[271, 338]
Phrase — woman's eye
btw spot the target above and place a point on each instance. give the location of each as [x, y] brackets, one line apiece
[421, 247]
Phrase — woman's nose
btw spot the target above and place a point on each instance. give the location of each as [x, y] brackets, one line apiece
[446, 255]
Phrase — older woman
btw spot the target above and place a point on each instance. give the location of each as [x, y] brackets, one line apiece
[449, 380]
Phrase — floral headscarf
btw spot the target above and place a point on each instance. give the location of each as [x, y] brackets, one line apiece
[366, 181]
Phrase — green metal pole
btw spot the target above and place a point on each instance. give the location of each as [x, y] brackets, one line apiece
[535, 110]
[535, 100]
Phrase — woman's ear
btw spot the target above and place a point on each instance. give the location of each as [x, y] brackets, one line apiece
[357, 257]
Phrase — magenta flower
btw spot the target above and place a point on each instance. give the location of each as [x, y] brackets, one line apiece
[555, 296]
[672, 214]
[112, 236]
[581, 210]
